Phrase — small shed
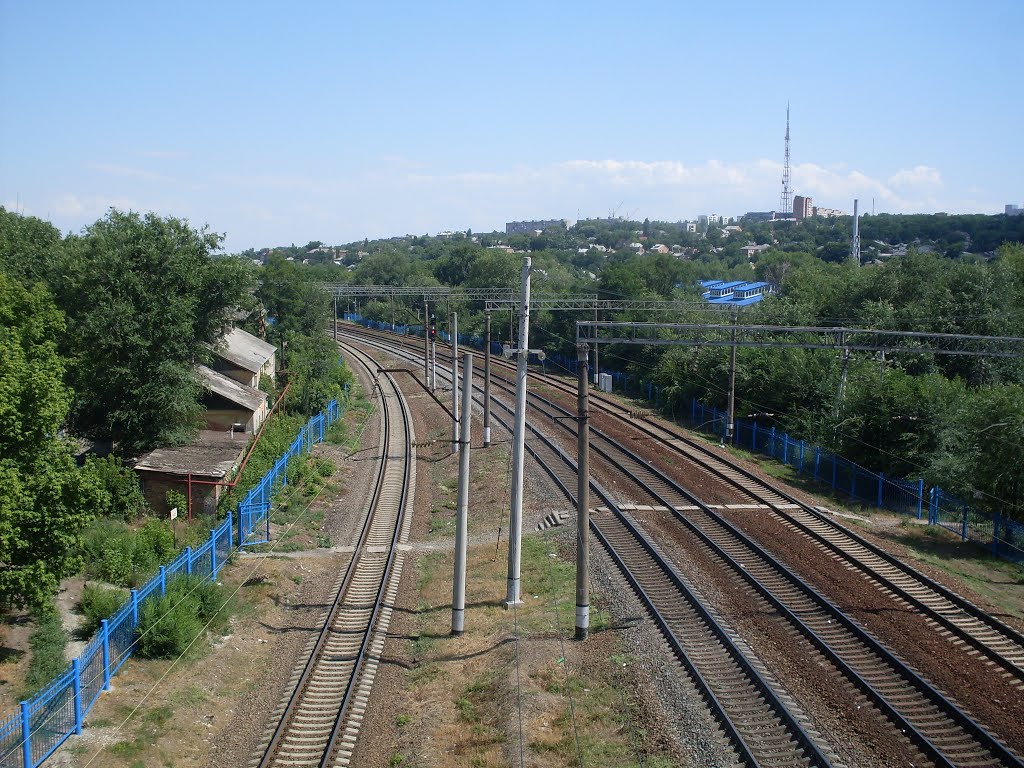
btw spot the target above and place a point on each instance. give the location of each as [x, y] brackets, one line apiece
[228, 403]
[199, 471]
[244, 357]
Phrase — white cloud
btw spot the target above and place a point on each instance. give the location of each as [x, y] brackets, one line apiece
[16, 206]
[126, 172]
[919, 175]
[90, 207]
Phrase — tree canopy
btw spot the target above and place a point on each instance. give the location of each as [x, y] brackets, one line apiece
[143, 298]
[45, 501]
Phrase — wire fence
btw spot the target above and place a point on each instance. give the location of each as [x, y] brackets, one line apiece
[28, 737]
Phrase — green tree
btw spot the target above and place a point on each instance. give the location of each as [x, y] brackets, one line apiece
[29, 247]
[45, 502]
[143, 298]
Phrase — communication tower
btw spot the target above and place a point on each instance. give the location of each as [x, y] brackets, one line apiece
[786, 203]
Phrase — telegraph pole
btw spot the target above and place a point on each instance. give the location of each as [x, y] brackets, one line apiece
[487, 379]
[462, 513]
[455, 382]
[582, 497]
[515, 528]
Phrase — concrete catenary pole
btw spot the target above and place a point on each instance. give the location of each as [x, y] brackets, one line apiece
[487, 379]
[582, 497]
[426, 345]
[455, 381]
[462, 513]
[515, 527]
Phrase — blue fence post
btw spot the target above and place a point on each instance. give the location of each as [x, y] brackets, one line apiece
[995, 534]
[817, 461]
[105, 634]
[933, 505]
[213, 555]
[785, 448]
[163, 579]
[834, 471]
[801, 468]
[753, 437]
[76, 678]
[881, 485]
[26, 736]
[771, 443]
[963, 525]
[188, 561]
[920, 495]
[135, 607]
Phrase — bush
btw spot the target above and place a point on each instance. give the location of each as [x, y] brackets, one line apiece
[122, 496]
[47, 644]
[169, 625]
[127, 557]
[99, 603]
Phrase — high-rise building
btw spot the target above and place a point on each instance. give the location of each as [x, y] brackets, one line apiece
[802, 207]
[1014, 210]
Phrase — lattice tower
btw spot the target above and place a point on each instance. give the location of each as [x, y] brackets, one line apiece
[786, 203]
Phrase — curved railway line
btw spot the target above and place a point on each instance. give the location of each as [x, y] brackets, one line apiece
[319, 722]
[937, 727]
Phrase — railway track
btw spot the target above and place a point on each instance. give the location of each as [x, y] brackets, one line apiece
[318, 725]
[954, 618]
[935, 725]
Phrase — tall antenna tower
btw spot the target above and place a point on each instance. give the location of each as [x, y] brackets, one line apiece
[786, 203]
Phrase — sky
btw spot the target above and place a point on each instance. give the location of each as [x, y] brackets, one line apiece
[278, 123]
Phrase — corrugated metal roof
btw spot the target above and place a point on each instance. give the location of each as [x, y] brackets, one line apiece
[244, 349]
[248, 397]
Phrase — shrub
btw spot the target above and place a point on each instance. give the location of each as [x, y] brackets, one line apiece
[99, 603]
[124, 556]
[168, 625]
[166, 628]
[122, 496]
[47, 644]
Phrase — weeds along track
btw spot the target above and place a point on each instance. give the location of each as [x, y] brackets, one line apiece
[915, 710]
[318, 724]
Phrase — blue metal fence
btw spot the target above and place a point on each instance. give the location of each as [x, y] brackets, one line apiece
[1003, 537]
[29, 736]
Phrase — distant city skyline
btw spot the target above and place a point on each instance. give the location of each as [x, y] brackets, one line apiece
[338, 122]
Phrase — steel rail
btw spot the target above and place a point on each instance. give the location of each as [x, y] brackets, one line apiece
[352, 572]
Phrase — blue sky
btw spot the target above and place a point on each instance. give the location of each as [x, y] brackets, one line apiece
[277, 123]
